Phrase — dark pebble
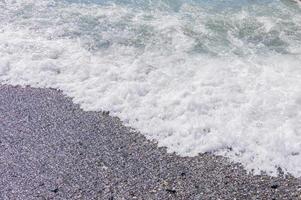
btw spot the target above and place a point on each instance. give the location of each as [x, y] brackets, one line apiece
[171, 191]
[274, 186]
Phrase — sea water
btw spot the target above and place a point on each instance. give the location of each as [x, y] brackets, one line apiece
[220, 76]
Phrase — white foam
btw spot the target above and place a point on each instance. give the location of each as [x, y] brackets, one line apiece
[247, 108]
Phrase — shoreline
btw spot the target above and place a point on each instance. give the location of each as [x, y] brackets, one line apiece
[53, 149]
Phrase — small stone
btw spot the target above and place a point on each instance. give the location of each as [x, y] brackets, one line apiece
[106, 112]
[171, 191]
[55, 190]
[274, 186]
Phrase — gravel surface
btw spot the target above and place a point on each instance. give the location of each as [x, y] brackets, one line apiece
[51, 149]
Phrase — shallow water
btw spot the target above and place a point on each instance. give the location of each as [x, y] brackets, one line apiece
[197, 76]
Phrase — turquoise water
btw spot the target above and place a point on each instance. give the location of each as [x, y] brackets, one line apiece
[220, 18]
[261, 26]
[175, 5]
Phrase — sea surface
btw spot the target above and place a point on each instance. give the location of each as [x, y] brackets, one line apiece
[221, 76]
